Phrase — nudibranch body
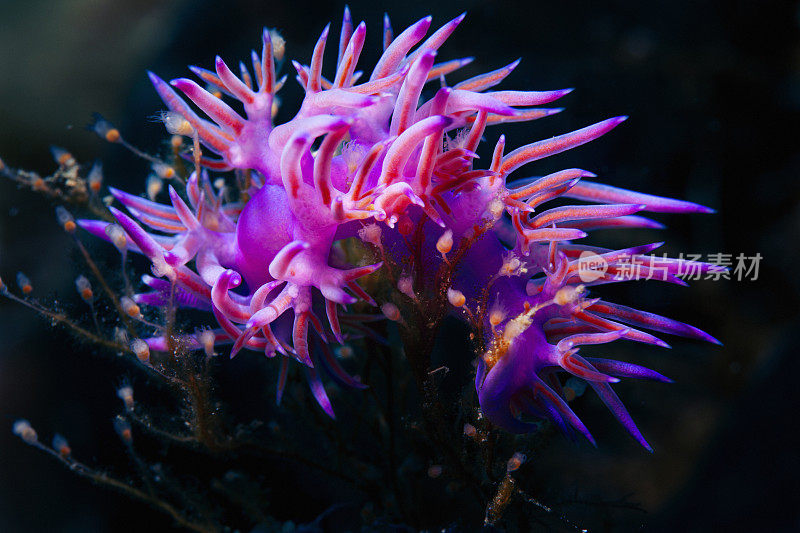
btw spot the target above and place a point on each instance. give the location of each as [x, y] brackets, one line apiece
[388, 149]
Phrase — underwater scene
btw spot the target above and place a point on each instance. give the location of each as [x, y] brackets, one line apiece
[471, 266]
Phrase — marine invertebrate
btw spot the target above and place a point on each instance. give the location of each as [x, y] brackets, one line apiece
[367, 159]
[367, 216]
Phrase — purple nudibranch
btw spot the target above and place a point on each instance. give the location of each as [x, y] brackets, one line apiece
[385, 149]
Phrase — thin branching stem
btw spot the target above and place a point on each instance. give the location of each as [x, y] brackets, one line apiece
[106, 288]
[102, 478]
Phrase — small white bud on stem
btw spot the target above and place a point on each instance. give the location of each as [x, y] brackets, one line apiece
[24, 430]
[445, 242]
[141, 350]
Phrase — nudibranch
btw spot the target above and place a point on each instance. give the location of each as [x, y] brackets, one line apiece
[369, 156]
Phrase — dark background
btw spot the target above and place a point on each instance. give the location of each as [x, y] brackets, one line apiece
[713, 91]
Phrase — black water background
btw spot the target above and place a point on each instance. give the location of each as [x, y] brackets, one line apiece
[713, 91]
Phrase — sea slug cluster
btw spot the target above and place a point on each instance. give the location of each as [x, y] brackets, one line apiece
[389, 157]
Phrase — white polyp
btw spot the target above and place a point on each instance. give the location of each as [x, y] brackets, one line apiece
[163, 171]
[84, 288]
[24, 283]
[445, 242]
[515, 462]
[24, 430]
[496, 314]
[568, 295]
[176, 124]
[278, 44]
[371, 233]
[95, 177]
[391, 312]
[117, 236]
[406, 285]
[64, 216]
[125, 393]
[123, 429]
[60, 444]
[345, 351]
[130, 307]
[495, 208]
[141, 350]
[154, 186]
[207, 339]
[456, 297]
[511, 265]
